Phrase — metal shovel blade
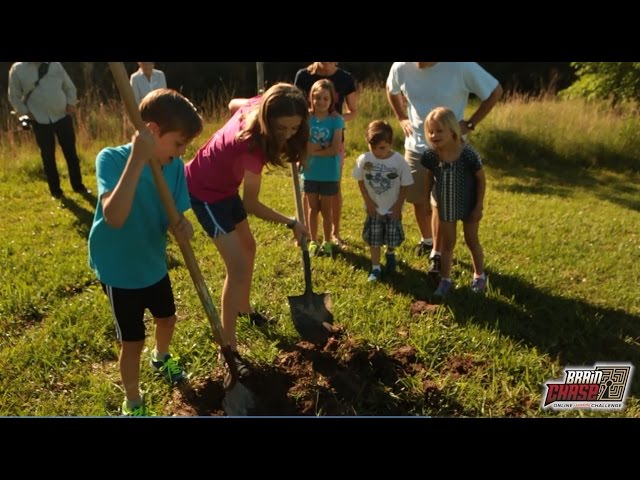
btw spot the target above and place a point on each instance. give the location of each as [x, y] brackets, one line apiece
[311, 315]
[238, 401]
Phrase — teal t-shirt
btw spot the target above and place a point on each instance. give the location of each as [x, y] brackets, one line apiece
[323, 169]
[135, 255]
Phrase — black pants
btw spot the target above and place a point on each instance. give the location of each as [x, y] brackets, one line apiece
[45, 136]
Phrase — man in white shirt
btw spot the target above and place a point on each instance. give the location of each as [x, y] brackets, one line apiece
[44, 92]
[146, 79]
[413, 90]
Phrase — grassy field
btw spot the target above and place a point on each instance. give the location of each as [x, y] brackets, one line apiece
[561, 235]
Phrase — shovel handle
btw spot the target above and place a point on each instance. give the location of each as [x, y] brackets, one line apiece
[122, 82]
[303, 240]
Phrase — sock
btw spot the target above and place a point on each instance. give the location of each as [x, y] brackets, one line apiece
[434, 253]
[476, 276]
[427, 241]
[390, 251]
[375, 267]
[448, 280]
[159, 356]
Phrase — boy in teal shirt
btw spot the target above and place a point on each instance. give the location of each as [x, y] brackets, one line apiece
[127, 242]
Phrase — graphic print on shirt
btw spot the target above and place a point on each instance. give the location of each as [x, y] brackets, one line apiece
[379, 176]
[319, 135]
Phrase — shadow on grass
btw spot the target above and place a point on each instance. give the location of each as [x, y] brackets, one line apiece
[573, 331]
[543, 171]
[407, 280]
[84, 217]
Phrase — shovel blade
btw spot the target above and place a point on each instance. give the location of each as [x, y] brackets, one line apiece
[238, 401]
[311, 315]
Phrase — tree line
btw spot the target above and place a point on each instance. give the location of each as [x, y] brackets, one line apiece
[197, 80]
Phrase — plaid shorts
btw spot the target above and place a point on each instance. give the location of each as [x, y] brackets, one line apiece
[381, 230]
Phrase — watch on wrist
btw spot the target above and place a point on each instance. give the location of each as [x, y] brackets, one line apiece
[292, 223]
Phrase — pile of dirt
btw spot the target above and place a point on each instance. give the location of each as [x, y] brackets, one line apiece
[342, 377]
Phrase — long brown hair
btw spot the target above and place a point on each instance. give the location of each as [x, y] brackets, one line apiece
[281, 100]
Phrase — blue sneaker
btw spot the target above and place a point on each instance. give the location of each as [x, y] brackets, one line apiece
[168, 367]
[375, 275]
[478, 285]
[390, 262]
[443, 289]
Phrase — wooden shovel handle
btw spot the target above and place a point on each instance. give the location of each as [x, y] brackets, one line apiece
[122, 82]
[306, 261]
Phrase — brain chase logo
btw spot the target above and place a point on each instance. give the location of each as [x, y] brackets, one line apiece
[601, 387]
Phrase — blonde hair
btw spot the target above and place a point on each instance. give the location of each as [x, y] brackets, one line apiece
[446, 118]
[327, 85]
[313, 68]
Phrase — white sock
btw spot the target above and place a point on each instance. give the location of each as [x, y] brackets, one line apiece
[159, 356]
[476, 276]
[427, 241]
[131, 404]
[375, 267]
[448, 280]
[434, 253]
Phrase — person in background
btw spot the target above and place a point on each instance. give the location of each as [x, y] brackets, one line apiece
[44, 93]
[346, 93]
[321, 174]
[460, 185]
[146, 79]
[383, 178]
[424, 86]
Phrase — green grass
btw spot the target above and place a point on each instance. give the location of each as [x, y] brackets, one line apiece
[561, 240]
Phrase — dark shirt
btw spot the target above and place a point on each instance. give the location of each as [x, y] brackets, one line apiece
[342, 80]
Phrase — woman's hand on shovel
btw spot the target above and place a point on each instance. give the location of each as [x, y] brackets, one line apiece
[299, 229]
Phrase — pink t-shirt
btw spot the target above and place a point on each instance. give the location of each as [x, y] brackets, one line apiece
[218, 168]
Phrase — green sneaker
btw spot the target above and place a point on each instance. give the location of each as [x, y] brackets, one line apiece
[139, 411]
[168, 367]
[327, 249]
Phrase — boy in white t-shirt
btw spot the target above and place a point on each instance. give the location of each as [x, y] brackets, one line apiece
[383, 177]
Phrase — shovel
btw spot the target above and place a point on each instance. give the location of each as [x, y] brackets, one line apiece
[238, 399]
[310, 312]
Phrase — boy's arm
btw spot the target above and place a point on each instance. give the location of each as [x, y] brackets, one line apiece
[116, 204]
[368, 201]
[481, 185]
[396, 210]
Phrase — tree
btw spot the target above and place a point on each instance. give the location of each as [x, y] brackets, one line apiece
[616, 81]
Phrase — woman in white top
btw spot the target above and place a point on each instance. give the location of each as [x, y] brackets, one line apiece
[147, 79]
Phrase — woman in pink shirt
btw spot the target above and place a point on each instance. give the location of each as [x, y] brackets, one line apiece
[272, 129]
